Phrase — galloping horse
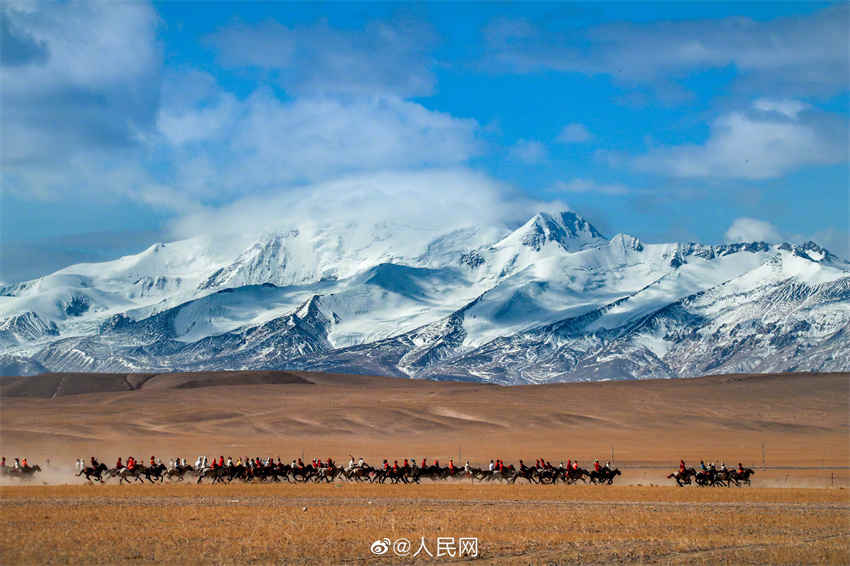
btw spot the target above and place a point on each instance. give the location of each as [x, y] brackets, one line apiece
[24, 473]
[94, 472]
[683, 478]
[742, 476]
[604, 475]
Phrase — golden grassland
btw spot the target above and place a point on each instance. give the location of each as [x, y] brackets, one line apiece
[336, 523]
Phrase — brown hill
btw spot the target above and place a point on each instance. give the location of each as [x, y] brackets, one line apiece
[794, 419]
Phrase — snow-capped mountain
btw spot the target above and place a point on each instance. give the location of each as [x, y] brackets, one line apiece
[550, 300]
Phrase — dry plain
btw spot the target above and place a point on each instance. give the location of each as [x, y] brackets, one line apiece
[798, 510]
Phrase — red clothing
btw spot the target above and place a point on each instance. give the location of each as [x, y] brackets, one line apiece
[596, 466]
[221, 461]
[424, 465]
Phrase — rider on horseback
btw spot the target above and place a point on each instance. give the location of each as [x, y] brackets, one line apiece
[596, 466]
[681, 466]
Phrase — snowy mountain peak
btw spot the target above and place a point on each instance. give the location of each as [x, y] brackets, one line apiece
[565, 229]
[627, 242]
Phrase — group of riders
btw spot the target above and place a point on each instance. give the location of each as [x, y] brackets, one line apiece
[220, 470]
[20, 467]
[712, 475]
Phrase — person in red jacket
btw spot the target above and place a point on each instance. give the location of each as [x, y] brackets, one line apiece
[406, 464]
[395, 466]
[386, 464]
[131, 463]
[424, 463]
[118, 464]
[596, 465]
[221, 461]
[681, 466]
[451, 466]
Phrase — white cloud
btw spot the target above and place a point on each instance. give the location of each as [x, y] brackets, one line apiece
[589, 186]
[796, 55]
[752, 145]
[79, 83]
[786, 107]
[752, 230]
[222, 146]
[426, 200]
[384, 58]
[574, 133]
[528, 151]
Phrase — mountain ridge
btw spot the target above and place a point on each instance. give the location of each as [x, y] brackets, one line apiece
[550, 300]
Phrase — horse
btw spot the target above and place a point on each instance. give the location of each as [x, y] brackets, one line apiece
[125, 473]
[604, 475]
[155, 472]
[683, 478]
[25, 472]
[526, 473]
[360, 473]
[178, 472]
[742, 476]
[94, 472]
[217, 475]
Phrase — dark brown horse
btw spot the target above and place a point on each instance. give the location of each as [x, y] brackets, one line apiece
[94, 472]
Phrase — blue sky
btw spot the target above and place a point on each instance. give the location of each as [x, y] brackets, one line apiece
[675, 121]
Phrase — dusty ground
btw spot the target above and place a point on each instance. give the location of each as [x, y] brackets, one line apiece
[337, 524]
